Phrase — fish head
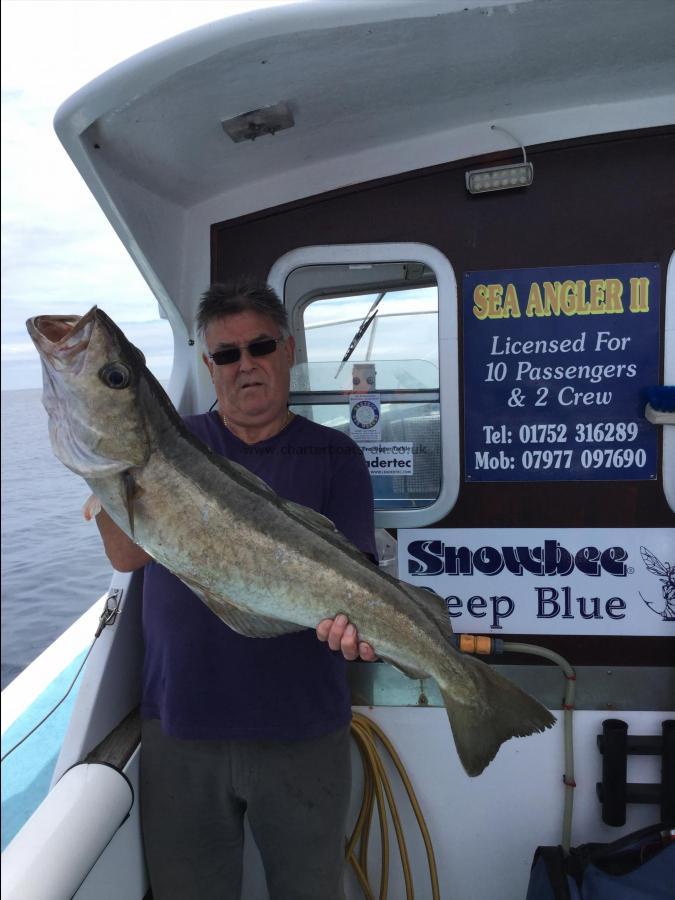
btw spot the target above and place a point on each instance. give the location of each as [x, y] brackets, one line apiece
[92, 377]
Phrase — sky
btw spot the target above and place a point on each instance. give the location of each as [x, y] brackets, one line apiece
[60, 255]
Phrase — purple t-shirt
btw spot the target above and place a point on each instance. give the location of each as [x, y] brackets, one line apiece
[205, 681]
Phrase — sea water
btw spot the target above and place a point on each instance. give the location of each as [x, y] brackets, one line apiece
[53, 564]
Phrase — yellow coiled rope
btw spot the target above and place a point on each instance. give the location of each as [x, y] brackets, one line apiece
[377, 789]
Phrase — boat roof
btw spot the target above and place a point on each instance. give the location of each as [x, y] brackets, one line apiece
[373, 88]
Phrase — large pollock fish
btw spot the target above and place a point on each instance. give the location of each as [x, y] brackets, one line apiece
[262, 564]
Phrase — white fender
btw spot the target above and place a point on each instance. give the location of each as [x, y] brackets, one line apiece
[54, 851]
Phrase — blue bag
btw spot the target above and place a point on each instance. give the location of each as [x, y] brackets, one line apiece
[639, 866]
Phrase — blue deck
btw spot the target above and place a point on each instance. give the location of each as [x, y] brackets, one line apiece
[27, 773]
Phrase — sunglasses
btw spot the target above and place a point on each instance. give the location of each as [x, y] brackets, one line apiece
[257, 348]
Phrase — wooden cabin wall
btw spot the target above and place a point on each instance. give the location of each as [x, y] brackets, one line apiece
[600, 200]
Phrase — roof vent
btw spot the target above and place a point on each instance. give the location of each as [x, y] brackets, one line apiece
[251, 125]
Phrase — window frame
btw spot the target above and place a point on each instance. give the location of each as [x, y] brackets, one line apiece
[668, 464]
[448, 351]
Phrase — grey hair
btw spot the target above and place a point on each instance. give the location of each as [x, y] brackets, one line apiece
[244, 295]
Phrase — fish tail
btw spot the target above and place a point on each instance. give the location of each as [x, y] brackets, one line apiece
[496, 711]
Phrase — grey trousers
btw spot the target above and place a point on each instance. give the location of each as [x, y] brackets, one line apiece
[194, 795]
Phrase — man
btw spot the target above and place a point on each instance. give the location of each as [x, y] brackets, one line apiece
[234, 724]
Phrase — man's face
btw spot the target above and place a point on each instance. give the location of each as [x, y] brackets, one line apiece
[254, 389]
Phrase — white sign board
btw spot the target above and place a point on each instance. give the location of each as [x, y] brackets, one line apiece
[388, 457]
[591, 581]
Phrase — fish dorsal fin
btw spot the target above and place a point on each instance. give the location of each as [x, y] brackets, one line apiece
[248, 477]
[239, 620]
[309, 516]
[321, 524]
[302, 513]
[433, 605]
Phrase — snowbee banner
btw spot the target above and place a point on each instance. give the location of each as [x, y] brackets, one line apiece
[597, 581]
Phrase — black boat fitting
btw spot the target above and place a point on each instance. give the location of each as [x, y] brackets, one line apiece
[614, 792]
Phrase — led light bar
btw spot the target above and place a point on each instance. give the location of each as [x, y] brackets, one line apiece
[499, 178]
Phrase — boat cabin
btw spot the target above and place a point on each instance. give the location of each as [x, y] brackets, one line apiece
[468, 209]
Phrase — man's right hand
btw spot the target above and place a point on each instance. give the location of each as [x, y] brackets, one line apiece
[342, 635]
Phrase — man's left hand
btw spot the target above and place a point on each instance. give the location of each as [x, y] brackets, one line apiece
[341, 635]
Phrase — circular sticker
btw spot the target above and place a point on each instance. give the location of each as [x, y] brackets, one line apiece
[365, 414]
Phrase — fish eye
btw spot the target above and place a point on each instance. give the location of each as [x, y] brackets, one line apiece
[115, 375]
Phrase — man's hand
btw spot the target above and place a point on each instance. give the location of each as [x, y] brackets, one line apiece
[343, 636]
[92, 507]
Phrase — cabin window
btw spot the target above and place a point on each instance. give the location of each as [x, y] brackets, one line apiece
[369, 362]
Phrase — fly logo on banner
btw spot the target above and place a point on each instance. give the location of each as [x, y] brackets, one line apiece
[558, 581]
[556, 364]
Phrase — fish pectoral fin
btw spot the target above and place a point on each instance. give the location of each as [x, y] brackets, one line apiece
[408, 671]
[130, 494]
[239, 620]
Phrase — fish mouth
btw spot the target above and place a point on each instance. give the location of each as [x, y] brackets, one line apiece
[62, 343]
[89, 435]
[62, 340]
